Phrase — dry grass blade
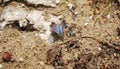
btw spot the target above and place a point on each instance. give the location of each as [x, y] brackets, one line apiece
[102, 41]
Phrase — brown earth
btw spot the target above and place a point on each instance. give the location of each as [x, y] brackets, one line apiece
[99, 20]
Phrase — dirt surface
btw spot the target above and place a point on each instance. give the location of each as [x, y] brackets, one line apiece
[99, 20]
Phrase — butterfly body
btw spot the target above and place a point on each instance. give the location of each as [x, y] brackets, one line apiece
[59, 29]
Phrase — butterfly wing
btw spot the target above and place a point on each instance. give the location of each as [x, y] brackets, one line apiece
[61, 27]
[55, 27]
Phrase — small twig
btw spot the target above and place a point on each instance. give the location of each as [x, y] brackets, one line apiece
[70, 39]
[103, 41]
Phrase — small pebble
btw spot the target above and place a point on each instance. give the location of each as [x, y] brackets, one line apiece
[75, 12]
[22, 5]
[91, 17]
[42, 63]
[115, 54]
[23, 36]
[108, 16]
[6, 57]
[21, 59]
[99, 49]
[86, 24]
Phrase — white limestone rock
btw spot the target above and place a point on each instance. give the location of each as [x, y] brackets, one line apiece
[51, 3]
[2, 1]
[37, 18]
[6, 0]
[11, 14]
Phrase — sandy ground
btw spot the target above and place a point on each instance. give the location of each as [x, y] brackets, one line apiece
[98, 20]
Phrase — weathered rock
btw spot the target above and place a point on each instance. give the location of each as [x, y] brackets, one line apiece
[3, 1]
[51, 3]
[11, 14]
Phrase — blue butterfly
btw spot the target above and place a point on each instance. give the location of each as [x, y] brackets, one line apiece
[58, 28]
